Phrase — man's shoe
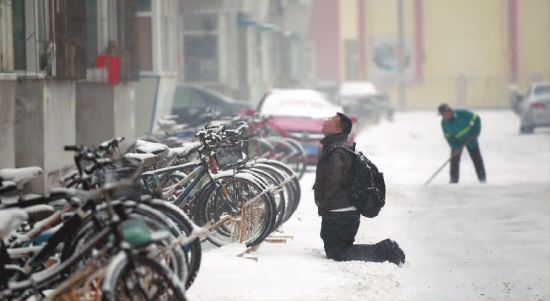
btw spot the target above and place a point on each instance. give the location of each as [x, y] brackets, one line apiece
[392, 252]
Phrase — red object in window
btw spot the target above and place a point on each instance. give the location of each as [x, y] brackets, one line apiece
[112, 64]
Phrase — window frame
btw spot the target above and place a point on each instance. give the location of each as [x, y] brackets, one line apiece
[32, 28]
[6, 37]
[216, 32]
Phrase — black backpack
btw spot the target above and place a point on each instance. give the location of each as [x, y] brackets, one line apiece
[368, 188]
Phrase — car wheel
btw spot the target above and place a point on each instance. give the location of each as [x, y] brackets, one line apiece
[526, 129]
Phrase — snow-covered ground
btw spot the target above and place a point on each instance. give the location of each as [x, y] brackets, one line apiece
[468, 241]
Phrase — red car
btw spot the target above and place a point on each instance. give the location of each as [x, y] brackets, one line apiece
[299, 114]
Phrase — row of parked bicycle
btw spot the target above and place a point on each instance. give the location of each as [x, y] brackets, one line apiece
[130, 226]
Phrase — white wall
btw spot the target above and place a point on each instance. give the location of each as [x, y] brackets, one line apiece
[45, 122]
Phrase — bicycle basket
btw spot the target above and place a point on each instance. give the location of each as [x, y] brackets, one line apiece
[227, 155]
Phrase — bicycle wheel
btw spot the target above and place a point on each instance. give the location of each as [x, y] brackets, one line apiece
[140, 278]
[193, 250]
[255, 220]
[176, 258]
[298, 160]
[294, 185]
[279, 198]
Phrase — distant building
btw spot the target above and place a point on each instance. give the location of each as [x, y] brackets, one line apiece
[462, 52]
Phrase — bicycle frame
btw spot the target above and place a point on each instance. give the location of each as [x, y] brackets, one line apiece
[196, 180]
[45, 277]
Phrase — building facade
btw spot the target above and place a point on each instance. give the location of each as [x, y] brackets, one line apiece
[58, 80]
[243, 48]
[466, 53]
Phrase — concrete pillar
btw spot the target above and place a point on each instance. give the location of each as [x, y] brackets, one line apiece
[7, 120]
[104, 112]
[45, 122]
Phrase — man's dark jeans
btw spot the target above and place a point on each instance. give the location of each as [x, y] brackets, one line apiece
[338, 230]
[475, 154]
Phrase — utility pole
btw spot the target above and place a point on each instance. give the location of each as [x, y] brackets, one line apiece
[401, 53]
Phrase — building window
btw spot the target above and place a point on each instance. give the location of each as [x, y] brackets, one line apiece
[169, 38]
[200, 51]
[6, 34]
[143, 6]
[92, 48]
[201, 58]
[144, 43]
[32, 39]
[18, 23]
[207, 22]
[144, 35]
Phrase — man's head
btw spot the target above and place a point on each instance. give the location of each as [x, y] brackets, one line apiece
[446, 111]
[337, 124]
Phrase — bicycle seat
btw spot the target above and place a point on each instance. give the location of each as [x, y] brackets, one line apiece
[20, 201]
[10, 219]
[146, 159]
[166, 122]
[20, 175]
[143, 146]
[7, 187]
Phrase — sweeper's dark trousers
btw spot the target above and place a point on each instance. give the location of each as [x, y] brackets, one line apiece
[475, 154]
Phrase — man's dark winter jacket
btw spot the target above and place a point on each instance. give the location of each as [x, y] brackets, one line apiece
[333, 176]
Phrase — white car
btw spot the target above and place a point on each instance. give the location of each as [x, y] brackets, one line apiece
[299, 114]
[365, 100]
[297, 103]
[534, 107]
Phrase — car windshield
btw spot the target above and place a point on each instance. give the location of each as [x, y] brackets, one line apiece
[298, 104]
[542, 90]
[188, 96]
[214, 96]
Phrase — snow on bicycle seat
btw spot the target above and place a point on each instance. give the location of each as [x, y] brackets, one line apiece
[143, 146]
[185, 149]
[163, 123]
[140, 156]
[20, 175]
[146, 159]
[10, 219]
[7, 187]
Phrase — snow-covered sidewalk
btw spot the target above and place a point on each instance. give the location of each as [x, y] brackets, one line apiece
[468, 241]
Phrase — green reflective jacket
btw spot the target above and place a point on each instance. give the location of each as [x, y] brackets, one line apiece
[464, 125]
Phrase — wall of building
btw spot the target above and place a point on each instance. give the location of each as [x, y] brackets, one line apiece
[165, 97]
[324, 34]
[464, 63]
[533, 43]
[45, 123]
[461, 52]
[104, 112]
[7, 120]
[124, 97]
[95, 116]
[348, 30]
